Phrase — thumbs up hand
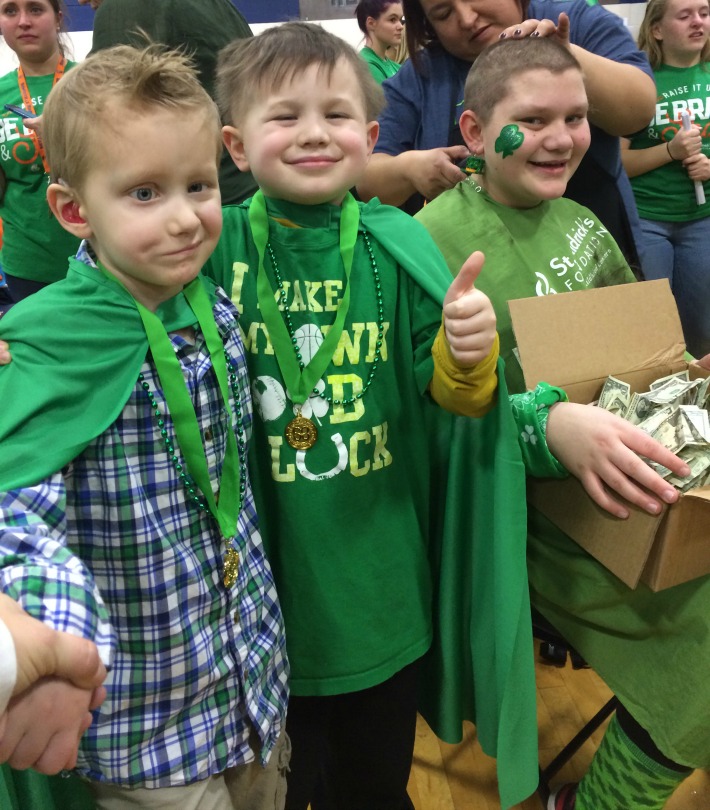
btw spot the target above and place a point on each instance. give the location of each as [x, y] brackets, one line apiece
[469, 318]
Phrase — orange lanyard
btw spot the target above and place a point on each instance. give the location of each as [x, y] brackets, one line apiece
[27, 101]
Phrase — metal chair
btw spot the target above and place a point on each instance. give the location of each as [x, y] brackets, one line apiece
[554, 649]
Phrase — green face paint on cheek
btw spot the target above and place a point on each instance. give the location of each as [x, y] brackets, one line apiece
[510, 139]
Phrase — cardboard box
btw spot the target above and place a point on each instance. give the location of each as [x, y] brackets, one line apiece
[575, 340]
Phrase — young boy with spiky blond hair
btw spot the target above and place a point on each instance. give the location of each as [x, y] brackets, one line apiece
[126, 509]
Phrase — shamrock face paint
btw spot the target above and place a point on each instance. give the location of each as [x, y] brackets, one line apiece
[534, 137]
[510, 139]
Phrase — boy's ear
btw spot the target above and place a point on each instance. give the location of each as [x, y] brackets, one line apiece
[373, 133]
[66, 207]
[235, 146]
[471, 132]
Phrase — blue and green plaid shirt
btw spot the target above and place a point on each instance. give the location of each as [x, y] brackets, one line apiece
[110, 549]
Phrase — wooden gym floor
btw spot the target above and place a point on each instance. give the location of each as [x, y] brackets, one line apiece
[462, 777]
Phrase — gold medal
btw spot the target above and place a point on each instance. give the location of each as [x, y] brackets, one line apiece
[231, 566]
[301, 433]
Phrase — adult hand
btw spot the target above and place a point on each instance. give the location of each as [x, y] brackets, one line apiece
[704, 361]
[4, 353]
[540, 28]
[602, 450]
[469, 318]
[35, 124]
[433, 171]
[42, 651]
[42, 727]
[685, 143]
[698, 167]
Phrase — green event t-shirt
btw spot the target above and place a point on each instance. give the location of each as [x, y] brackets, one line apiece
[35, 246]
[380, 68]
[667, 193]
[555, 247]
[344, 523]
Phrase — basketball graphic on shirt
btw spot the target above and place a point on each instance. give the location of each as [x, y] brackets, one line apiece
[308, 340]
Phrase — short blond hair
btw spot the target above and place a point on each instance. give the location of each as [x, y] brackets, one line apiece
[247, 68]
[140, 78]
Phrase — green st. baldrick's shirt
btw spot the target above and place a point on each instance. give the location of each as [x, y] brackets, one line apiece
[35, 246]
[345, 522]
[555, 247]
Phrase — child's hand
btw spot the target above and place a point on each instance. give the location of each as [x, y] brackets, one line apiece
[42, 727]
[602, 450]
[469, 318]
[4, 353]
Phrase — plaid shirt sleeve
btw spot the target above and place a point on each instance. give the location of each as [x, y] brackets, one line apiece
[41, 572]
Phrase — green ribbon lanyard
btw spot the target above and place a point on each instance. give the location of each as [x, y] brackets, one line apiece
[226, 508]
[300, 384]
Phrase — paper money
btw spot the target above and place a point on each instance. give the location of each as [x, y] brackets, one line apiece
[676, 412]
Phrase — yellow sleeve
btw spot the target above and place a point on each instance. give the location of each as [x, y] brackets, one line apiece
[467, 392]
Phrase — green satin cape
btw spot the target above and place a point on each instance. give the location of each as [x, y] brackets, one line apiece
[77, 348]
[481, 665]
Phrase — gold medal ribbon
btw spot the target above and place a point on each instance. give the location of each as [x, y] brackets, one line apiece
[225, 510]
[300, 383]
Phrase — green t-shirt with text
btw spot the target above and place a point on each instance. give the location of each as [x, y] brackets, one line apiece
[345, 523]
[667, 193]
[35, 246]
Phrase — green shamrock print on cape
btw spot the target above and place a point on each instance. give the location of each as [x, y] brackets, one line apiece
[510, 139]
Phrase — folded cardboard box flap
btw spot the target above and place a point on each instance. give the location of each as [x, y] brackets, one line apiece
[576, 340]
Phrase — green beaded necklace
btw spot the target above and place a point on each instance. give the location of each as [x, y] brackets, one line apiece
[231, 559]
[380, 324]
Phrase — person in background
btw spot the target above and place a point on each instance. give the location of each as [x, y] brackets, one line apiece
[382, 24]
[200, 28]
[420, 147]
[35, 247]
[666, 162]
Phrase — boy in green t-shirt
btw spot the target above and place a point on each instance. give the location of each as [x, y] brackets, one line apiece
[526, 116]
[341, 370]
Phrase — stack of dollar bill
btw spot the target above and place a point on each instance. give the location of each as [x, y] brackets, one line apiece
[675, 412]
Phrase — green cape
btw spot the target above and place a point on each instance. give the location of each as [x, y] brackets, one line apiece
[480, 666]
[29, 790]
[77, 348]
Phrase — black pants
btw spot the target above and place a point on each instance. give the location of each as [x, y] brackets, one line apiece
[354, 751]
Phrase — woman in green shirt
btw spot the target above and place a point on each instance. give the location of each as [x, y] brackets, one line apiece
[35, 247]
[382, 24]
[669, 165]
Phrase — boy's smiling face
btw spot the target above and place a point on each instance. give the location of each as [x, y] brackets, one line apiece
[307, 141]
[150, 204]
[535, 138]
